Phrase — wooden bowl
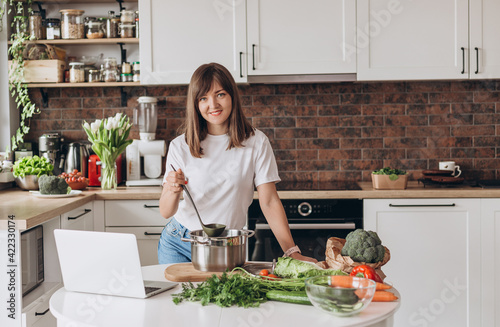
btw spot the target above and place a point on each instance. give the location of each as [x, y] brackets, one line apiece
[78, 185]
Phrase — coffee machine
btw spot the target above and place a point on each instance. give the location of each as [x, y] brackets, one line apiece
[49, 146]
[145, 156]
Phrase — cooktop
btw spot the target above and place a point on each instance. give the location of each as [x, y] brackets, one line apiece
[317, 186]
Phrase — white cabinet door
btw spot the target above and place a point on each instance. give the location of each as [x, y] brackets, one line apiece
[435, 258]
[81, 218]
[400, 40]
[490, 265]
[178, 36]
[301, 37]
[484, 44]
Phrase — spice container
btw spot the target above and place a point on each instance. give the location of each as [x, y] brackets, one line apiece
[94, 75]
[72, 26]
[53, 30]
[35, 25]
[76, 72]
[136, 71]
[126, 68]
[126, 30]
[126, 78]
[95, 30]
[127, 17]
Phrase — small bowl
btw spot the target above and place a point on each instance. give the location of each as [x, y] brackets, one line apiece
[78, 185]
[28, 182]
[340, 295]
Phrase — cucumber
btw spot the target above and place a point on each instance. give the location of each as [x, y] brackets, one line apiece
[296, 297]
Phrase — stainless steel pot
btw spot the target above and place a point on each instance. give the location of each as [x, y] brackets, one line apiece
[218, 253]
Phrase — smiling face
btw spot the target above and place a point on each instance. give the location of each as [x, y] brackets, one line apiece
[215, 107]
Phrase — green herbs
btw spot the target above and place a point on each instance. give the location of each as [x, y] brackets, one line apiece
[240, 289]
[32, 166]
[393, 173]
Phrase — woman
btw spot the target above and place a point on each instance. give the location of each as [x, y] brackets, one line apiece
[222, 158]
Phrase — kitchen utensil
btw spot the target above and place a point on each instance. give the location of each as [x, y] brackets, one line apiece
[28, 182]
[49, 146]
[451, 166]
[226, 251]
[340, 295]
[77, 158]
[212, 230]
[185, 272]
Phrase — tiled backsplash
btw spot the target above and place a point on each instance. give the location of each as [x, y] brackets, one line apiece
[332, 131]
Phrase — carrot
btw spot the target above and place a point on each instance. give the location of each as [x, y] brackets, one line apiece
[382, 286]
[342, 281]
[384, 296]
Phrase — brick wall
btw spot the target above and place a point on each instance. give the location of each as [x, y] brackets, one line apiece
[321, 132]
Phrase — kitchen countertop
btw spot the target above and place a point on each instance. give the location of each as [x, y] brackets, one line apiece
[29, 211]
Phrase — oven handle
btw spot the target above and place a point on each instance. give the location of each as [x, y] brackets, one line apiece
[312, 226]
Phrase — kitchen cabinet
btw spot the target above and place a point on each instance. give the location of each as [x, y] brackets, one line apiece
[141, 218]
[81, 218]
[457, 39]
[490, 265]
[435, 260]
[301, 37]
[178, 36]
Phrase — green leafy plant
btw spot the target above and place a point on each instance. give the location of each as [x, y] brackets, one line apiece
[17, 85]
[393, 173]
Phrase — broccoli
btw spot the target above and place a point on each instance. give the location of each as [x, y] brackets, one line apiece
[363, 246]
[53, 185]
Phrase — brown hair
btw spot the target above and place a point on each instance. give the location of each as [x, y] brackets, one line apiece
[195, 126]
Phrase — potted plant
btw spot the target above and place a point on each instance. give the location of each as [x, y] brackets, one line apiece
[389, 179]
[17, 86]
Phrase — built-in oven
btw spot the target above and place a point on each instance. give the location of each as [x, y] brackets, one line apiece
[311, 221]
[32, 266]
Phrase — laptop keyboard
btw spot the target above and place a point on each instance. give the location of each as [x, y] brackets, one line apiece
[149, 289]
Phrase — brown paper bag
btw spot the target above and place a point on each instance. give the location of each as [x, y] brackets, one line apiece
[335, 260]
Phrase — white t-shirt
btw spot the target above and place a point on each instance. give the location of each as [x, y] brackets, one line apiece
[222, 181]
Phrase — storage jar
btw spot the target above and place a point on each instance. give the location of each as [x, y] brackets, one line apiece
[53, 29]
[112, 23]
[127, 30]
[95, 30]
[94, 75]
[35, 25]
[127, 17]
[72, 26]
[76, 72]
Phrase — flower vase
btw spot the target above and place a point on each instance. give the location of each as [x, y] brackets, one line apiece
[109, 179]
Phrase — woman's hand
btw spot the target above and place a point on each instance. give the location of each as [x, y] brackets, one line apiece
[175, 180]
[301, 257]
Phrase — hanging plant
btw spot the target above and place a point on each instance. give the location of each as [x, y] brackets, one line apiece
[17, 85]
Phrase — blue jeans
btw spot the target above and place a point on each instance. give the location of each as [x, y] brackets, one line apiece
[170, 248]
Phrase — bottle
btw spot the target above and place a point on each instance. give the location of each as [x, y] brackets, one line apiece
[137, 24]
[112, 25]
[53, 30]
[136, 71]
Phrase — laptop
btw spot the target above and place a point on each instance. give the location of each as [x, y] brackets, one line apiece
[103, 263]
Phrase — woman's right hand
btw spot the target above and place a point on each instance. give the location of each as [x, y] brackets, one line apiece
[175, 180]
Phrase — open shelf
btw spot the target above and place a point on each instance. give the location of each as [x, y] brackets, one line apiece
[131, 40]
[96, 84]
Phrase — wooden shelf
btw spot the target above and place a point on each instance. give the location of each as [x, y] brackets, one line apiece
[132, 40]
[97, 84]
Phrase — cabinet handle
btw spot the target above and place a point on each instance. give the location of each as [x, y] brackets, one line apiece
[148, 233]
[241, 68]
[253, 56]
[463, 60]
[477, 60]
[41, 313]
[86, 211]
[151, 206]
[421, 205]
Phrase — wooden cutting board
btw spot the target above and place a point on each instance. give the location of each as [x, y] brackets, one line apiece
[185, 272]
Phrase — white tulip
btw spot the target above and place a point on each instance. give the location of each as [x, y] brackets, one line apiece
[94, 127]
[86, 125]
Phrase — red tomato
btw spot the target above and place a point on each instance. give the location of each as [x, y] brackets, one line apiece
[75, 171]
[264, 272]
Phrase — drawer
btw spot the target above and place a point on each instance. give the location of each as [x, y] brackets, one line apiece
[133, 213]
[147, 241]
[37, 313]
[81, 218]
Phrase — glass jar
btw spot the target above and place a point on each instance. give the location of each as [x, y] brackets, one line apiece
[35, 25]
[95, 30]
[110, 63]
[110, 75]
[94, 75]
[76, 72]
[137, 24]
[72, 26]
[53, 30]
[112, 23]
[126, 68]
[127, 16]
[127, 77]
[127, 30]
[21, 24]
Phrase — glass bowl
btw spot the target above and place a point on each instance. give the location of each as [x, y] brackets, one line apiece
[340, 295]
[28, 182]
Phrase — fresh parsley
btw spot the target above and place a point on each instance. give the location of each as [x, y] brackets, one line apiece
[393, 173]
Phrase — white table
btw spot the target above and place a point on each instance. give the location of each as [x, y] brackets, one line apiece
[80, 310]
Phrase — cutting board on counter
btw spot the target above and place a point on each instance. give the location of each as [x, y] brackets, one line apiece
[185, 272]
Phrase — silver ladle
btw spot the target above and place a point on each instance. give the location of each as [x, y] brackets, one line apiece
[212, 230]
